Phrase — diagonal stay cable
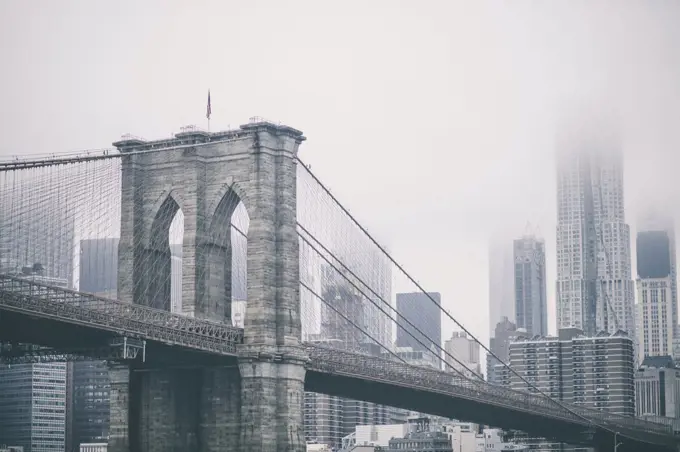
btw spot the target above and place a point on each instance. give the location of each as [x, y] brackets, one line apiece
[461, 374]
[375, 304]
[401, 268]
[318, 296]
[370, 289]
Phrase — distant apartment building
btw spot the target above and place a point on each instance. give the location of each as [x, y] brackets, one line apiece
[531, 305]
[657, 388]
[423, 313]
[33, 406]
[506, 332]
[465, 350]
[421, 442]
[94, 447]
[33, 400]
[595, 372]
[656, 293]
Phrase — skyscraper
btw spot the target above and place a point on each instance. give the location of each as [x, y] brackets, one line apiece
[531, 305]
[594, 285]
[657, 292]
[418, 308]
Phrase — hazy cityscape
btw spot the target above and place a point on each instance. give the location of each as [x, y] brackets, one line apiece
[471, 248]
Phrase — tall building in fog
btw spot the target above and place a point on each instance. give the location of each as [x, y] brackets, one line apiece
[531, 304]
[466, 352]
[419, 309]
[98, 267]
[657, 291]
[594, 285]
[501, 283]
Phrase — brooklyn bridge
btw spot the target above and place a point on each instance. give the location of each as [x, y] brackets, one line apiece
[184, 377]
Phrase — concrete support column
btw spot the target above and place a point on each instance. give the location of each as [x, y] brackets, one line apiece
[272, 398]
[119, 427]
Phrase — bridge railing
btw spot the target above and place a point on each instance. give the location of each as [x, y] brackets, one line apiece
[23, 295]
[380, 369]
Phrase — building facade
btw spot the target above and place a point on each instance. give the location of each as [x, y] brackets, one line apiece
[506, 332]
[594, 371]
[657, 292]
[33, 406]
[419, 309]
[657, 388]
[90, 399]
[594, 285]
[466, 351]
[531, 299]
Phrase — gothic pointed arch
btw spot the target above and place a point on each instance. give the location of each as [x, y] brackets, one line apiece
[163, 211]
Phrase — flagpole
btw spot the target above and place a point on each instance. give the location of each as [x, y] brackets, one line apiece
[209, 111]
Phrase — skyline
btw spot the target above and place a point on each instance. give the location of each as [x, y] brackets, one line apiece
[423, 100]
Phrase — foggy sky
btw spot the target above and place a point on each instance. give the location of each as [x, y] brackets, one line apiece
[433, 122]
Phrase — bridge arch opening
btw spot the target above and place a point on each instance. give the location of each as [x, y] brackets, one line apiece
[163, 260]
[176, 238]
[226, 257]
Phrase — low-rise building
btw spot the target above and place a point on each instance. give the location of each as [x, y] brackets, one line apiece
[421, 441]
[657, 388]
[94, 447]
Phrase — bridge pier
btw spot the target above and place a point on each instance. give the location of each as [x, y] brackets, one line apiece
[168, 418]
[257, 407]
[119, 427]
[272, 391]
[220, 406]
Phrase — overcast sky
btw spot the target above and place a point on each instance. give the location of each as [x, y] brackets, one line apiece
[433, 122]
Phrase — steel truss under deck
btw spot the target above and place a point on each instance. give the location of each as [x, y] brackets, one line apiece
[22, 295]
[119, 349]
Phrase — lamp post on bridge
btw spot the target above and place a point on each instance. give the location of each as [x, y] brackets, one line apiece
[616, 445]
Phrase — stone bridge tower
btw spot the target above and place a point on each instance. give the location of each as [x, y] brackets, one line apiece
[257, 405]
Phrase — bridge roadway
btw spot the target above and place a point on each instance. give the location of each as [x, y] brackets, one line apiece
[61, 319]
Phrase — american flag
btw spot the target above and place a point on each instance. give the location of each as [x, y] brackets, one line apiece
[209, 111]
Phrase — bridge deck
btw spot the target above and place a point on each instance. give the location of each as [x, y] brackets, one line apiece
[426, 380]
[22, 296]
[25, 296]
